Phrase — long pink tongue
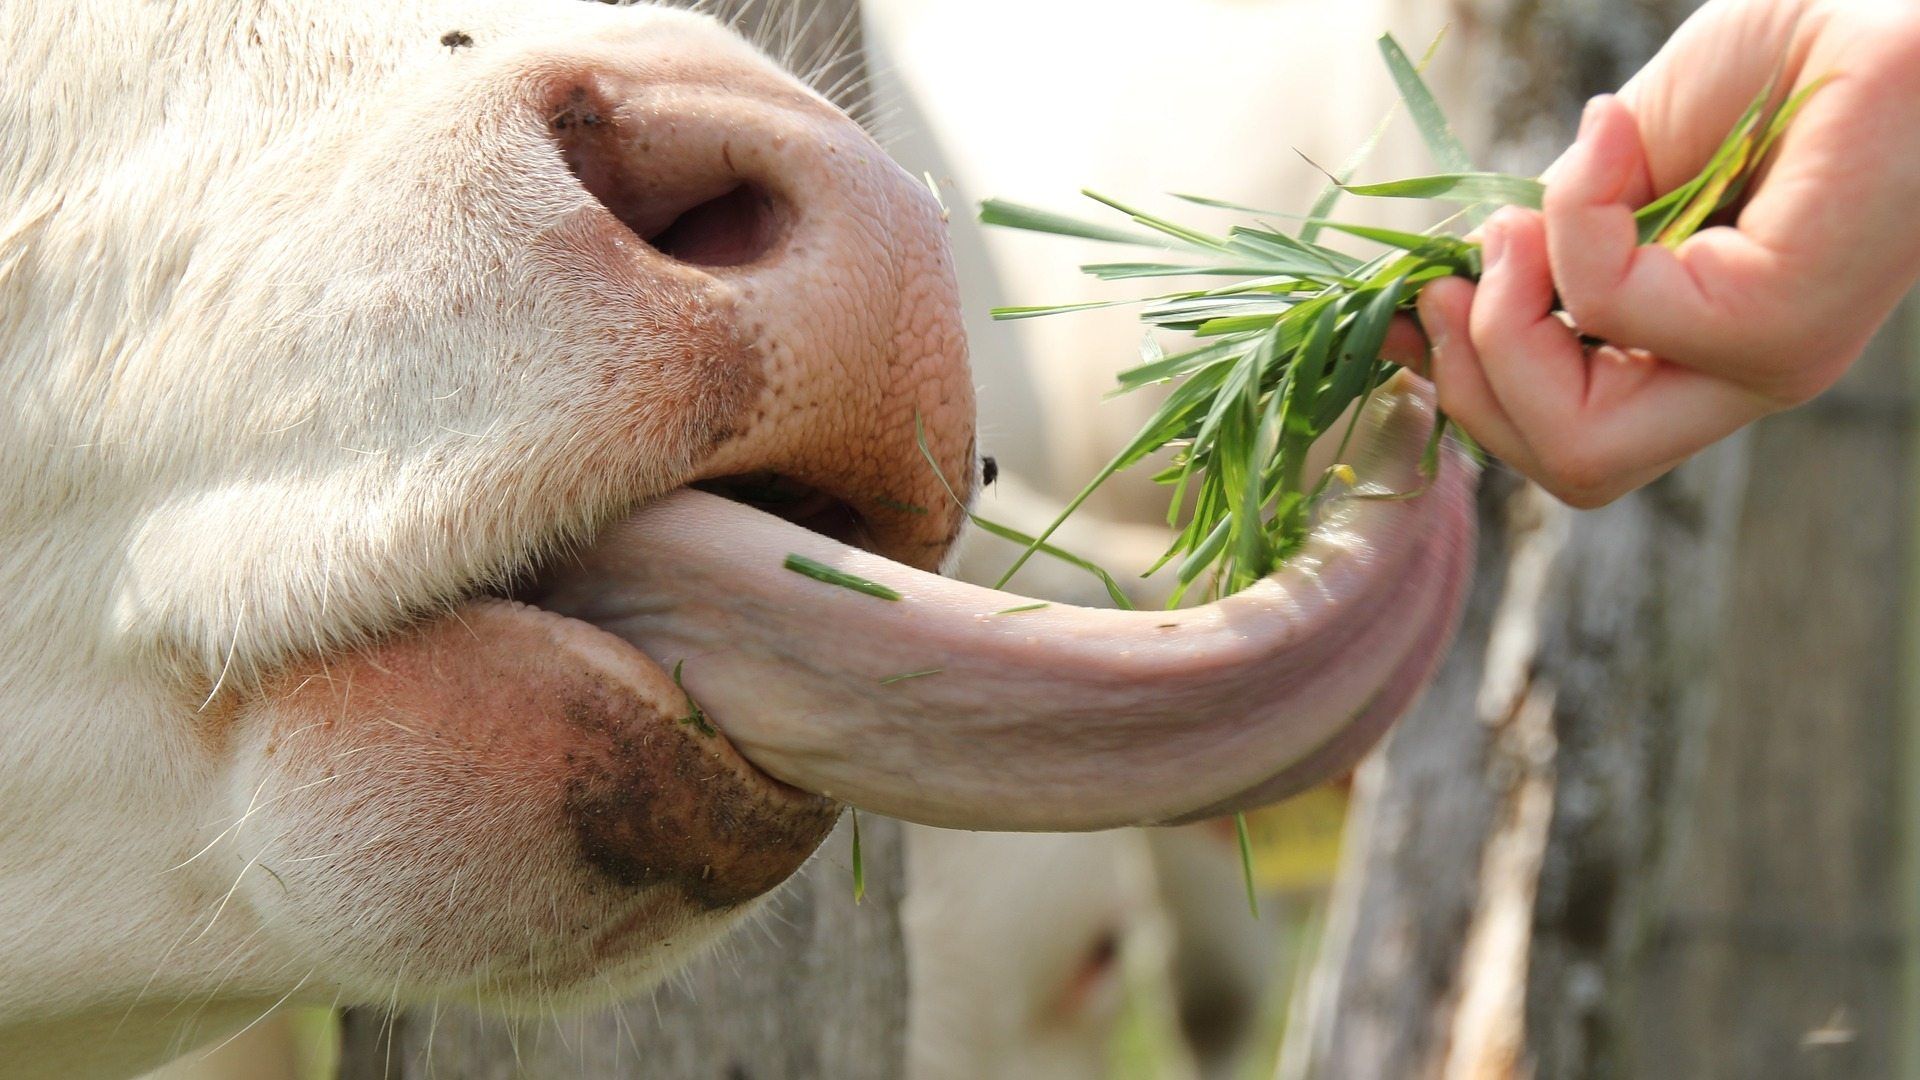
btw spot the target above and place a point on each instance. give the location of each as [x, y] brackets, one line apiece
[948, 707]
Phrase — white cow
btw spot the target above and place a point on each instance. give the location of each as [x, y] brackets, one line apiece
[361, 643]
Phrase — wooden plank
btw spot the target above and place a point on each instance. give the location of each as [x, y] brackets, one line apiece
[1780, 952]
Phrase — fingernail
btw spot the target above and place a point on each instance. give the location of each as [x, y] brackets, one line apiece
[1588, 116]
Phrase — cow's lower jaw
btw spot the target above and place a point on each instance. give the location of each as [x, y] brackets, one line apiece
[507, 803]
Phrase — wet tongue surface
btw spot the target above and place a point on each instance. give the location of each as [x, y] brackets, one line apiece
[961, 706]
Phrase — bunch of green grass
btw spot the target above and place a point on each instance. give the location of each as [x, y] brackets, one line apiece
[1281, 353]
[1293, 342]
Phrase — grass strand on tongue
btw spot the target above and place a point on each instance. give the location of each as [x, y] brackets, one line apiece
[821, 572]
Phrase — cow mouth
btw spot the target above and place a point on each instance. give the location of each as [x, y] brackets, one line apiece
[794, 501]
[906, 693]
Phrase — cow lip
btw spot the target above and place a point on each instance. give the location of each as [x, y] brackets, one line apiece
[812, 508]
[791, 501]
[696, 719]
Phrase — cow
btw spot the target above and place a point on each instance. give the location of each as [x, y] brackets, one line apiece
[469, 474]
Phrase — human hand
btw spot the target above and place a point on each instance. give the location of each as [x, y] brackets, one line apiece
[1740, 320]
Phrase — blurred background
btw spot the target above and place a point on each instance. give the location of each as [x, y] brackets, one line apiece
[1652, 819]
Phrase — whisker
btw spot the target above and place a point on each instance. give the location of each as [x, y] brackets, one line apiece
[225, 831]
[239, 620]
[235, 887]
[270, 1009]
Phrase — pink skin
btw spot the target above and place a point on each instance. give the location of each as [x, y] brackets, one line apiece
[1741, 320]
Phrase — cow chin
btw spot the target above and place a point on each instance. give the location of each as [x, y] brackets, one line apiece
[506, 805]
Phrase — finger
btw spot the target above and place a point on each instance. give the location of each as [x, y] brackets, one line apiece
[1671, 415]
[1533, 361]
[1836, 201]
[1696, 306]
[1405, 345]
[1458, 379]
[1636, 186]
[1700, 82]
[1598, 424]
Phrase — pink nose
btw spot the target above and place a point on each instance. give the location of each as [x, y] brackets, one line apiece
[780, 218]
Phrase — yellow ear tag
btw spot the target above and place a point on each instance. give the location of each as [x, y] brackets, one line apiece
[1296, 844]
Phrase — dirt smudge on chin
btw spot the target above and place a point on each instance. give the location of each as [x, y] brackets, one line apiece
[652, 802]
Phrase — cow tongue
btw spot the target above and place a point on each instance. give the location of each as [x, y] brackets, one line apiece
[1054, 717]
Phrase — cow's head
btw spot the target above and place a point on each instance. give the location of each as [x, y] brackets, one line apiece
[354, 360]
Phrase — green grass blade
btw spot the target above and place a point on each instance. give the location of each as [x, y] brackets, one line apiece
[1657, 219]
[1209, 549]
[1470, 188]
[1007, 532]
[1246, 862]
[821, 572]
[1012, 215]
[1277, 245]
[1006, 314]
[1018, 608]
[1159, 224]
[1330, 195]
[859, 867]
[1710, 197]
[1222, 204]
[1359, 351]
[1123, 271]
[696, 716]
[1441, 142]
[1397, 238]
[1783, 116]
[1178, 364]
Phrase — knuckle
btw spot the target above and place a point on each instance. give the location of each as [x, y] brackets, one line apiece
[1594, 311]
[1584, 498]
[1559, 199]
[1576, 474]
[1800, 379]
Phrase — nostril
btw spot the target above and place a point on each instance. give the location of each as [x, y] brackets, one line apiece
[731, 230]
[682, 198]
